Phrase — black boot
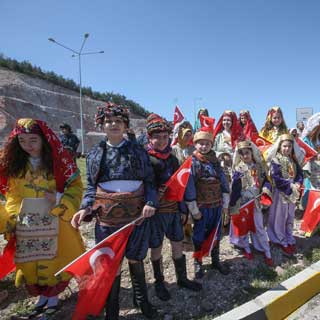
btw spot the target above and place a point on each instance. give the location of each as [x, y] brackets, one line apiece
[112, 304]
[140, 290]
[161, 290]
[198, 271]
[181, 274]
[215, 258]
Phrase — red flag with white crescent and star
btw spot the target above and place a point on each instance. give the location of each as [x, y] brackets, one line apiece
[95, 271]
[310, 152]
[244, 221]
[260, 142]
[178, 116]
[207, 123]
[7, 258]
[311, 217]
[176, 185]
[208, 244]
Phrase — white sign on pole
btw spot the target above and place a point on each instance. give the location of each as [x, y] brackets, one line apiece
[303, 114]
[78, 133]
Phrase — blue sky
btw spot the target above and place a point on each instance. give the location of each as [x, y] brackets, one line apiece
[219, 54]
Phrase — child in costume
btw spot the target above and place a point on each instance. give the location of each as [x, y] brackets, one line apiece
[197, 125]
[120, 176]
[247, 124]
[184, 146]
[34, 164]
[274, 125]
[182, 150]
[206, 195]
[167, 220]
[311, 136]
[227, 133]
[248, 181]
[285, 157]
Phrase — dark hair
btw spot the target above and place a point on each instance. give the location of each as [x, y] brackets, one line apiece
[14, 160]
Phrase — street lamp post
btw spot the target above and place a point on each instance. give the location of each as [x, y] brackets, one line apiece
[79, 54]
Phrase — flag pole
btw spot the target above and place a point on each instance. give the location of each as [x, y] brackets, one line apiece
[111, 235]
[215, 234]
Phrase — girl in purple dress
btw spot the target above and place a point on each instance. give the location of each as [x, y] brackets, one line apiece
[285, 157]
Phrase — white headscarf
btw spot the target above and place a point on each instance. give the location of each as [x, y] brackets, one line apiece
[273, 150]
[312, 122]
[256, 154]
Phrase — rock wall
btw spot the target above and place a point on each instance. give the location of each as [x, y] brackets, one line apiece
[23, 96]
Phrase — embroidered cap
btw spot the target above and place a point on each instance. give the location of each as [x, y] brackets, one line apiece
[155, 123]
[285, 137]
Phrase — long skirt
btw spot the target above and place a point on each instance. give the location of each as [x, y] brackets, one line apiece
[280, 222]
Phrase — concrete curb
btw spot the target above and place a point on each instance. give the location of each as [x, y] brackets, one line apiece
[281, 301]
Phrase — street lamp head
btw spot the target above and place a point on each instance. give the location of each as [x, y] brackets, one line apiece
[51, 39]
[101, 51]
[86, 35]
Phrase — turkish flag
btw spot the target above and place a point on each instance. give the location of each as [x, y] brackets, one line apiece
[7, 258]
[176, 185]
[244, 221]
[207, 123]
[311, 217]
[208, 244]
[178, 116]
[310, 152]
[96, 270]
[260, 142]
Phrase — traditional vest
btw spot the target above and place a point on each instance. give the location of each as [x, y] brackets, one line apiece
[208, 192]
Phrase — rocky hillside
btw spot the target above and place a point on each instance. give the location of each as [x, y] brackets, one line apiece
[25, 96]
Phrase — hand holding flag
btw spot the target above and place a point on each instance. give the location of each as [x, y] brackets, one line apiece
[96, 270]
[244, 221]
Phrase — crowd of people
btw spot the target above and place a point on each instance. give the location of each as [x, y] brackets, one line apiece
[127, 179]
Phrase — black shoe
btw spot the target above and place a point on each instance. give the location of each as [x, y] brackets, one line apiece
[198, 270]
[140, 290]
[160, 288]
[181, 274]
[216, 264]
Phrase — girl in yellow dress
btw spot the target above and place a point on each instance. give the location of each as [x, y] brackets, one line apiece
[33, 164]
[274, 126]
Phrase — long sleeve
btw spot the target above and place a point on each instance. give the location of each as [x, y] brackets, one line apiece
[284, 185]
[151, 193]
[236, 187]
[70, 201]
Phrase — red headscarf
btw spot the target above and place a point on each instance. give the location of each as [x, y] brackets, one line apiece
[64, 168]
[250, 127]
[236, 131]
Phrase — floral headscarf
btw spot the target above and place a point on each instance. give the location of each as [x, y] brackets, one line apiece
[64, 168]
